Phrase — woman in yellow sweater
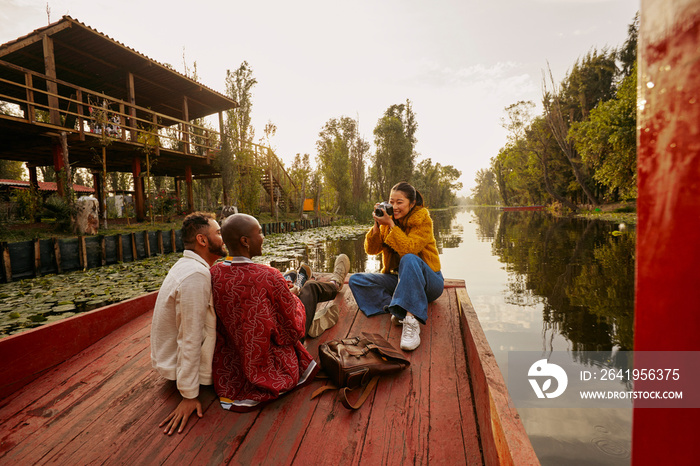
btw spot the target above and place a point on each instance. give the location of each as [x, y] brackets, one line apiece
[410, 277]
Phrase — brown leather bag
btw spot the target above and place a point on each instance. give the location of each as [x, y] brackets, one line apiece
[359, 361]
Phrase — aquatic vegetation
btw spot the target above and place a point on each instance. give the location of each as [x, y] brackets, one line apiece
[28, 303]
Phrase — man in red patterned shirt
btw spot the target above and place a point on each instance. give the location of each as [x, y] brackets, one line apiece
[259, 355]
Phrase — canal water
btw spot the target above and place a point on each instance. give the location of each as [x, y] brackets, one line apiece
[539, 284]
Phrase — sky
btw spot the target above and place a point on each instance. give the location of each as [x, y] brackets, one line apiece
[460, 62]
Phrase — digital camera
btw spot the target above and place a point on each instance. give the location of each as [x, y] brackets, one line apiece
[384, 207]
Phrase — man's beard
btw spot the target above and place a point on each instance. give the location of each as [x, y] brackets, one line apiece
[220, 250]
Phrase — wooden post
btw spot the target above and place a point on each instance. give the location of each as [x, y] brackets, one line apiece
[190, 192]
[37, 257]
[81, 113]
[173, 244]
[156, 140]
[103, 191]
[57, 255]
[99, 192]
[51, 86]
[185, 126]
[134, 252]
[31, 117]
[33, 178]
[178, 195]
[120, 248]
[138, 189]
[122, 122]
[6, 264]
[131, 94]
[82, 252]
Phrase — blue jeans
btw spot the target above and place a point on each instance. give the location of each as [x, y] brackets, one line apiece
[415, 286]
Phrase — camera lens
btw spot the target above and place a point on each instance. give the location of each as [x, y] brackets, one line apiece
[378, 212]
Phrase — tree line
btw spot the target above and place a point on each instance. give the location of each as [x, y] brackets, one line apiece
[581, 149]
[347, 177]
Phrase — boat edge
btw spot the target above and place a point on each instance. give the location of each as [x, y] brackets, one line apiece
[503, 437]
[28, 354]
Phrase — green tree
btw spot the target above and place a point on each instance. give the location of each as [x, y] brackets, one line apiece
[236, 161]
[627, 54]
[531, 164]
[486, 191]
[11, 170]
[590, 81]
[395, 139]
[437, 183]
[337, 141]
[608, 139]
[300, 171]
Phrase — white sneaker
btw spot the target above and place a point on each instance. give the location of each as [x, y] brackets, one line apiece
[340, 270]
[410, 335]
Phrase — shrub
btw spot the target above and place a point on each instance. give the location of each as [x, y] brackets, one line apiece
[28, 203]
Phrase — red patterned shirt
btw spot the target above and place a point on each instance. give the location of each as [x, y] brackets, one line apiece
[258, 355]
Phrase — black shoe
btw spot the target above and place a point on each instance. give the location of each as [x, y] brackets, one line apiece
[303, 274]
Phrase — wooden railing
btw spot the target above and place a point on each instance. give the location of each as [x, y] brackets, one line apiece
[86, 111]
[95, 114]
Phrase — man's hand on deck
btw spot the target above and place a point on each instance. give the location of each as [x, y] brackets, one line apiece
[181, 415]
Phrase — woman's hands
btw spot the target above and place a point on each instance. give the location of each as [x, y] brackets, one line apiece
[383, 220]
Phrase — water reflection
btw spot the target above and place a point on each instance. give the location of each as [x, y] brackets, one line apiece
[538, 283]
[581, 273]
[544, 283]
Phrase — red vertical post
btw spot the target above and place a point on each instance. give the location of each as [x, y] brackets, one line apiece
[188, 182]
[668, 250]
[138, 189]
[57, 152]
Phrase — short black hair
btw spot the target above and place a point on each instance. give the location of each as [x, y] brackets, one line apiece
[192, 225]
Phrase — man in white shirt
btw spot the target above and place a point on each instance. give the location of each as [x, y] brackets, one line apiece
[183, 331]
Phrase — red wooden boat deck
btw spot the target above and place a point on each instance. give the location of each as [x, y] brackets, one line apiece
[103, 405]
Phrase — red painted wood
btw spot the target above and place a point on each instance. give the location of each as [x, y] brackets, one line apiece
[503, 437]
[399, 432]
[330, 416]
[23, 357]
[67, 399]
[668, 251]
[451, 405]
[105, 403]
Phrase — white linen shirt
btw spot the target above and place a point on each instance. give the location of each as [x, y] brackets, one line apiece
[183, 331]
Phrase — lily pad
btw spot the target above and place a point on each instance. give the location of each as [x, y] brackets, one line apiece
[64, 308]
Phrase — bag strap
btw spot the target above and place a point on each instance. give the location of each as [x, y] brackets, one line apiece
[322, 389]
[365, 393]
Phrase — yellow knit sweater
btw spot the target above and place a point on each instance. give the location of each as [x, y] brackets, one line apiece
[412, 235]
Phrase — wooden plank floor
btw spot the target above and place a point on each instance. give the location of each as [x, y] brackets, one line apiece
[103, 407]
